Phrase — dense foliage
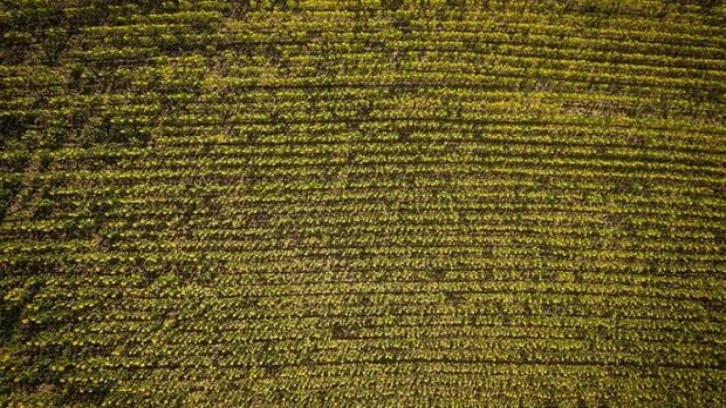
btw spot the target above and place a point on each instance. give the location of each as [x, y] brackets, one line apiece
[377, 203]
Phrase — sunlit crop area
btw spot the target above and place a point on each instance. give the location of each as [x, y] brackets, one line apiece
[362, 203]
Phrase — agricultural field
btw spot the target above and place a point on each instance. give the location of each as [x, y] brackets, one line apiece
[362, 203]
